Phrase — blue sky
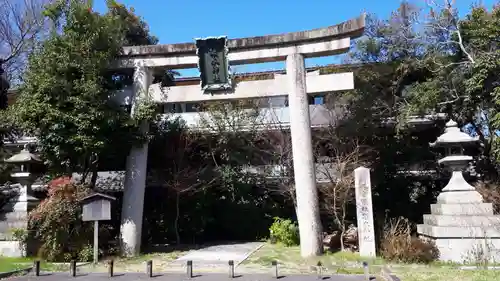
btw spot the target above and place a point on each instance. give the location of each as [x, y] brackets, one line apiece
[180, 21]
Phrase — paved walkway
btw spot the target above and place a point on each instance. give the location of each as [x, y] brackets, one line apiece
[178, 277]
[215, 256]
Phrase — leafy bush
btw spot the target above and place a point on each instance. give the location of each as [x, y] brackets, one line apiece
[21, 235]
[398, 244]
[56, 221]
[284, 231]
[86, 253]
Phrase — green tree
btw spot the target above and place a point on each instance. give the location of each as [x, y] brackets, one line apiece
[21, 26]
[66, 100]
[385, 62]
[56, 222]
[423, 62]
[181, 164]
[465, 83]
[136, 30]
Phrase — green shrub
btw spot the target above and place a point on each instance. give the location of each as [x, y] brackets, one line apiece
[21, 235]
[57, 224]
[67, 257]
[284, 231]
[86, 253]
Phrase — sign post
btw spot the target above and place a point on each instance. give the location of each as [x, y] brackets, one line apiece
[96, 207]
[96, 241]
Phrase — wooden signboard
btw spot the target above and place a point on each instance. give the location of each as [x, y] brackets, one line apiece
[96, 207]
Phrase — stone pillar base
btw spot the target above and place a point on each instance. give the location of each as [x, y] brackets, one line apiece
[11, 249]
[8, 222]
[14, 215]
[463, 232]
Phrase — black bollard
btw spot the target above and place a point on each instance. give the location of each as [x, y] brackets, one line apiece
[36, 268]
[111, 270]
[275, 264]
[320, 270]
[366, 271]
[149, 268]
[231, 268]
[189, 269]
[72, 268]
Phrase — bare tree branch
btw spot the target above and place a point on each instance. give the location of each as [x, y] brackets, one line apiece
[453, 21]
[21, 26]
[337, 172]
[181, 163]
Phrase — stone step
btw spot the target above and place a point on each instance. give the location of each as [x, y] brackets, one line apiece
[6, 227]
[5, 236]
[458, 220]
[9, 216]
[462, 209]
[458, 231]
[468, 250]
[19, 206]
[460, 197]
[10, 249]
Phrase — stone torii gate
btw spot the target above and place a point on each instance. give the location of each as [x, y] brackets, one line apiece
[296, 84]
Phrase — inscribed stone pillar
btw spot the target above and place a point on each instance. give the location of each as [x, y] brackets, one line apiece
[303, 161]
[135, 175]
[364, 212]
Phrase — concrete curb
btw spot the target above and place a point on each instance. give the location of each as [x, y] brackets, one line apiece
[387, 274]
[15, 272]
[78, 264]
[474, 267]
[250, 253]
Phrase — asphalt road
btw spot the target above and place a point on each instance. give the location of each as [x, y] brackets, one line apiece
[178, 277]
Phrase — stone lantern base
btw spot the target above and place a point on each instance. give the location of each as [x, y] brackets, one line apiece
[14, 215]
[463, 228]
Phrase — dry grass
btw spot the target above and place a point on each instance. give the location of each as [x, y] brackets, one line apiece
[445, 274]
[136, 264]
[490, 193]
[398, 245]
[290, 261]
[12, 264]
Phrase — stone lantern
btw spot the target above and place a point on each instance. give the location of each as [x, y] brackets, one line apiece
[16, 211]
[26, 161]
[461, 224]
[454, 141]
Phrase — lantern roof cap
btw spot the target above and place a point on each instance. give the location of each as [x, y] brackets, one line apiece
[96, 196]
[453, 135]
[24, 157]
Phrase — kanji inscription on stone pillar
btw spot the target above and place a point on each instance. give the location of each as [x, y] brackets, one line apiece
[364, 211]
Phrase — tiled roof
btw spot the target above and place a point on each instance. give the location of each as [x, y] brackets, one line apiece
[344, 67]
[107, 181]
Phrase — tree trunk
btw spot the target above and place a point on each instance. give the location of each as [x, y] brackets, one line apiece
[93, 179]
[342, 231]
[380, 219]
[176, 221]
[342, 225]
[291, 192]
